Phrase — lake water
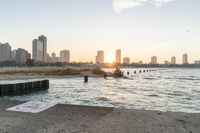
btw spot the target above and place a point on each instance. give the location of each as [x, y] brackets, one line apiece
[163, 90]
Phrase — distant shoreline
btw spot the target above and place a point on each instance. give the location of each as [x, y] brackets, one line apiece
[47, 72]
[60, 72]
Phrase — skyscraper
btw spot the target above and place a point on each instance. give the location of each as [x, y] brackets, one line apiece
[173, 60]
[13, 55]
[118, 56]
[37, 50]
[185, 59]
[5, 52]
[43, 39]
[65, 56]
[153, 60]
[100, 57]
[22, 56]
[126, 60]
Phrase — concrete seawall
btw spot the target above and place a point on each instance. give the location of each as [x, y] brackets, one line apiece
[23, 88]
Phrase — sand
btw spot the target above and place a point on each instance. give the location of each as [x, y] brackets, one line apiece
[85, 119]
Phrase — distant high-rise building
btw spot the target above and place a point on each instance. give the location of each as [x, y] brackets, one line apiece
[43, 39]
[140, 62]
[65, 56]
[100, 57]
[54, 58]
[166, 62]
[153, 60]
[197, 62]
[37, 50]
[118, 56]
[13, 55]
[126, 60]
[49, 59]
[173, 60]
[22, 55]
[185, 59]
[53, 55]
[5, 52]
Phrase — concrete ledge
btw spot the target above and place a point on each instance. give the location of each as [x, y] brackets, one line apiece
[23, 88]
[86, 119]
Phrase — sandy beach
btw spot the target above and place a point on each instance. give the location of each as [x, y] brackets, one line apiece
[85, 119]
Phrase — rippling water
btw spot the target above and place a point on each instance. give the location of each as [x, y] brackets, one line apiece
[163, 90]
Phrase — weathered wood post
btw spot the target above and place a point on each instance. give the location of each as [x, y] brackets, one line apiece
[85, 78]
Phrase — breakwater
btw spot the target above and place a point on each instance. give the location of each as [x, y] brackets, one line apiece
[19, 88]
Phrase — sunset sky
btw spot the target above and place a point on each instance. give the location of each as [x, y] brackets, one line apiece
[141, 28]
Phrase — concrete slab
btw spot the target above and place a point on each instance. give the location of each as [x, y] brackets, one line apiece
[86, 119]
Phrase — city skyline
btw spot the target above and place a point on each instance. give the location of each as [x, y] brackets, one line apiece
[141, 29]
[20, 55]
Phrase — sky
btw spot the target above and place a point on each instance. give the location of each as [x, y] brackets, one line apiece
[141, 28]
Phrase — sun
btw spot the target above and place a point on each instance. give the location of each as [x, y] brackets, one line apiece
[110, 59]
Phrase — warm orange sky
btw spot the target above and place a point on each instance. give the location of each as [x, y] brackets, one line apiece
[163, 28]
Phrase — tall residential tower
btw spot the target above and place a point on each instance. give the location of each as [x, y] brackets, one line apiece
[185, 59]
[118, 56]
[173, 60]
[153, 60]
[37, 50]
[100, 57]
[65, 56]
[5, 52]
[43, 39]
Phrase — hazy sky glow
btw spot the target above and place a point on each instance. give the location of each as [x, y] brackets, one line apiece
[141, 28]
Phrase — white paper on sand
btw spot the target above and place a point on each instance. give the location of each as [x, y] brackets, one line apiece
[32, 107]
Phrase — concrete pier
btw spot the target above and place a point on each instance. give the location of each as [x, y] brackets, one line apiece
[10, 89]
[86, 119]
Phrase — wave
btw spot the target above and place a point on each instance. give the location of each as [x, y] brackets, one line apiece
[102, 99]
[183, 78]
[187, 98]
[153, 95]
[150, 78]
[177, 93]
[187, 79]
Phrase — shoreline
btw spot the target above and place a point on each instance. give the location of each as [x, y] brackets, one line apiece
[22, 77]
[30, 73]
[89, 119]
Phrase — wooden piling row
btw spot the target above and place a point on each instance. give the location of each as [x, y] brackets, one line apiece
[23, 88]
[147, 70]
